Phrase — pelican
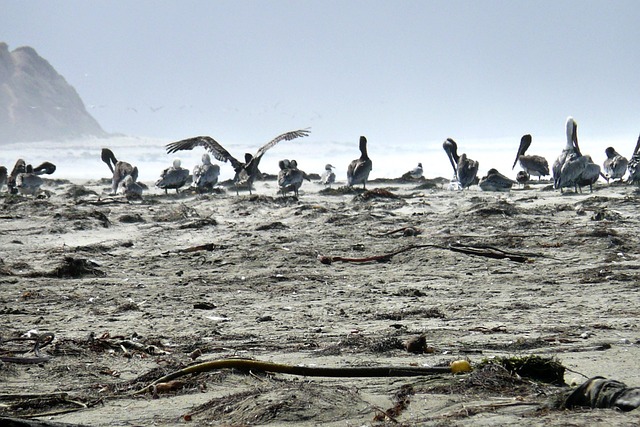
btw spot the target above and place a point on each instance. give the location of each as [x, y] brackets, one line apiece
[18, 168]
[615, 166]
[359, 169]
[129, 187]
[533, 165]
[495, 181]
[290, 177]
[173, 177]
[589, 175]
[205, 176]
[247, 171]
[634, 165]
[464, 169]
[28, 182]
[119, 169]
[328, 176]
[568, 167]
[3, 176]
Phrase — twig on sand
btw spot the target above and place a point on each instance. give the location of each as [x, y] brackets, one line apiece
[309, 371]
[206, 247]
[483, 250]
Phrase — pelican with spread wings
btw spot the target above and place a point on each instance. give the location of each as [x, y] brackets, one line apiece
[246, 171]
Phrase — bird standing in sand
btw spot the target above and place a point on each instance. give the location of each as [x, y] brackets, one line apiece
[205, 176]
[290, 177]
[615, 165]
[465, 170]
[328, 176]
[247, 171]
[532, 164]
[174, 177]
[359, 169]
[119, 169]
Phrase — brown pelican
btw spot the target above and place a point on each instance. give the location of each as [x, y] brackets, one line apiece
[3, 176]
[634, 165]
[119, 169]
[290, 177]
[28, 182]
[205, 176]
[129, 187]
[533, 165]
[359, 169]
[615, 166]
[495, 181]
[567, 167]
[18, 168]
[464, 169]
[247, 171]
[173, 177]
[589, 175]
[328, 176]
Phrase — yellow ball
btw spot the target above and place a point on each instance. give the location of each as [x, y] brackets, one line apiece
[460, 366]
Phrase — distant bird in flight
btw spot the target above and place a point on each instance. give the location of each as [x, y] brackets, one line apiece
[532, 164]
[359, 169]
[247, 171]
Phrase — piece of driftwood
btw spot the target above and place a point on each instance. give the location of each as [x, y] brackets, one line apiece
[479, 250]
[249, 365]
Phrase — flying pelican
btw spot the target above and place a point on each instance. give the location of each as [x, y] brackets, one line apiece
[464, 169]
[290, 177]
[328, 176]
[359, 169]
[634, 165]
[533, 165]
[173, 177]
[615, 166]
[495, 181]
[247, 171]
[205, 176]
[568, 166]
[119, 169]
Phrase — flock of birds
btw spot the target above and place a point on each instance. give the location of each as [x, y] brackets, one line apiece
[571, 168]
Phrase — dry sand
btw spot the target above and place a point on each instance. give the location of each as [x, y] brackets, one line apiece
[143, 305]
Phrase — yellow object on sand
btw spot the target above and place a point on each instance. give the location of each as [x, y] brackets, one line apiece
[460, 366]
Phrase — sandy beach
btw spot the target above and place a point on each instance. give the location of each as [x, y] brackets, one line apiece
[122, 292]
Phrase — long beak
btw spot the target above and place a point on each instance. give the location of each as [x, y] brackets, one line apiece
[517, 155]
[453, 164]
[575, 138]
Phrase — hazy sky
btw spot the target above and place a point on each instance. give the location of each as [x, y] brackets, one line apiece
[405, 71]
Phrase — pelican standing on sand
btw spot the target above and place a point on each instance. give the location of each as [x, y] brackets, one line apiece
[615, 166]
[290, 177]
[634, 165]
[328, 176]
[247, 171]
[205, 176]
[532, 164]
[119, 169]
[464, 169]
[564, 175]
[174, 177]
[359, 169]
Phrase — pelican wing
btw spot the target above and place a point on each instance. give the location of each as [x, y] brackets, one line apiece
[218, 151]
[288, 136]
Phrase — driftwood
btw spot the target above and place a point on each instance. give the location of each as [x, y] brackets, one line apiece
[40, 341]
[479, 250]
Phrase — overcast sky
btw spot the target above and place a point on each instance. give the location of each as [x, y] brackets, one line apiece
[405, 71]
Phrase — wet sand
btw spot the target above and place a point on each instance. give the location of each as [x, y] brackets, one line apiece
[129, 291]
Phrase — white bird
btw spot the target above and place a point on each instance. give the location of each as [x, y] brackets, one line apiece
[328, 176]
[416, 173]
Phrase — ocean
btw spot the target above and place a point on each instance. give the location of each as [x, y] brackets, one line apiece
[80, 159]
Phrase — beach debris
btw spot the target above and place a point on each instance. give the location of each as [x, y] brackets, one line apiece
[276, 225]
[416, 345]
[545, 369]
[408, 231]
[401, 401]
[76, 267]
[40, 340]
[600, 392]
[376, 193]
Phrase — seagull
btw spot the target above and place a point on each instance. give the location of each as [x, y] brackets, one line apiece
[359, 169]
[290, 177]
[328, 176]
[205, 176]
[173, 177]
[495, 181]
[119, 169]
[615, 166]
[247, 171]
[634, 165]
[533, 165]
[464, 169]
[416, 173]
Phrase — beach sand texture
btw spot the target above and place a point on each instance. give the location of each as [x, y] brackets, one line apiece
[133, 303]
